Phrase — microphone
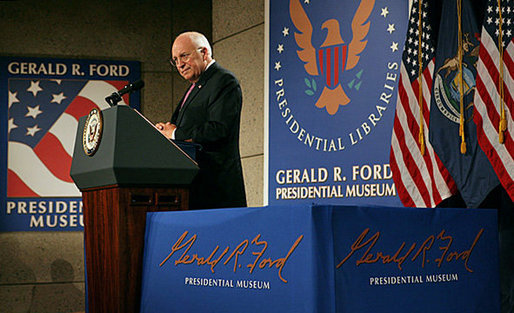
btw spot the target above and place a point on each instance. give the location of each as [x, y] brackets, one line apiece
[113, 99]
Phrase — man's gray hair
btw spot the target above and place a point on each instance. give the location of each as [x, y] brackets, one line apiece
[199, 40]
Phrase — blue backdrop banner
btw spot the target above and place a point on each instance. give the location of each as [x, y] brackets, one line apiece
[333, 71]
[321, 259]
[42, 100]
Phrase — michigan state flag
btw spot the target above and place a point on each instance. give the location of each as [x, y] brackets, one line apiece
[471, 170]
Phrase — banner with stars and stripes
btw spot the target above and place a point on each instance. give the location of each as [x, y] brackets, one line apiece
[42, 102]
[419, 175]
[332, 72]
[494, 104]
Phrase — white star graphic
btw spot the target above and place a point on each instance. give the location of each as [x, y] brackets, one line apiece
[306, 1]
[33, 112]
[385, 11]
[285, 31]
[34, 88]
[31, 131]
[277, 66]
[11, 125]
[58, 98]
[13, 98]
[58, 81]
[391, 28]
[394, 46]
[280, 48]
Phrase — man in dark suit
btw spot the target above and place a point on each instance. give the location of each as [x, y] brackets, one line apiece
[209, 114]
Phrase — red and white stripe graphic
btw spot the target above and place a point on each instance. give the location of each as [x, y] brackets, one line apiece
[44, 170]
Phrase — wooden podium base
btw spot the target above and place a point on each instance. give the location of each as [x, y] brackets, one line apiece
[114, 228]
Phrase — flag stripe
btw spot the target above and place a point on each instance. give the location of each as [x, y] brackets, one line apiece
[408, 197]
[17, 188]
[329, 67]
[336, 65]
[65, 129]
[507, 59]
[79, 107]
[53, 155]
[43, 182]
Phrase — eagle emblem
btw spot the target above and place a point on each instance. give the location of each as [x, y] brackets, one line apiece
[334, 56]
[92, 132]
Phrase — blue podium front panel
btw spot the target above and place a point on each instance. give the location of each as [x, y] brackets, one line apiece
[415, 260]
[232, 260]
[321, 259]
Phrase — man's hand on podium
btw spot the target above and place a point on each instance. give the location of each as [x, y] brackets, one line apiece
[166, 129]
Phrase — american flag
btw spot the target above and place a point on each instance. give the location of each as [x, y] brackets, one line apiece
[487, 97]
[421, 180]
[42, 123]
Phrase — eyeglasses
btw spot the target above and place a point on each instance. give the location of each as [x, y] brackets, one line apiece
[184, 57]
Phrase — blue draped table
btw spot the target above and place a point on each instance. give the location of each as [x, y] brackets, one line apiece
[321, 259]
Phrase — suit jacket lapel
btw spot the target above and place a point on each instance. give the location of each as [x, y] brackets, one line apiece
[201, 82]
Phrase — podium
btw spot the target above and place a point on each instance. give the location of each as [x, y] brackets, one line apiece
[132, 169]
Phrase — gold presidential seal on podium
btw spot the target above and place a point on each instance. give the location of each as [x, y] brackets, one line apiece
[92, 132]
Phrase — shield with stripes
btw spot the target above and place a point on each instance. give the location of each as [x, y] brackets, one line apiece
[332, 61]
